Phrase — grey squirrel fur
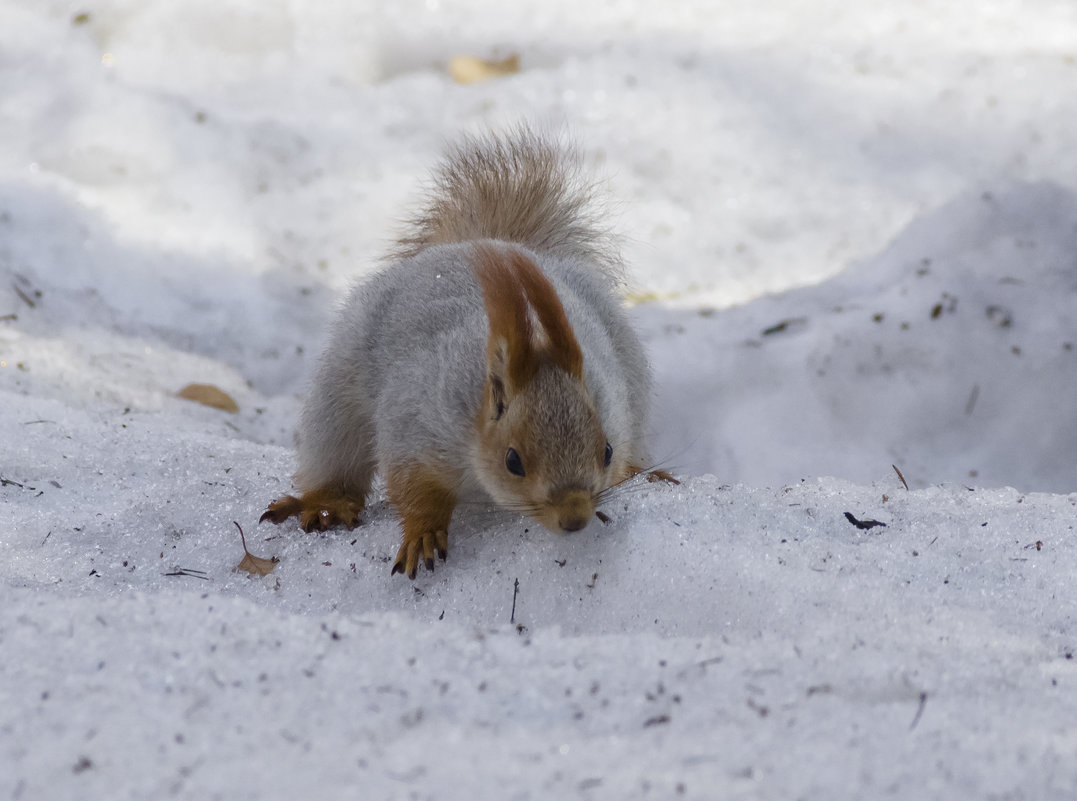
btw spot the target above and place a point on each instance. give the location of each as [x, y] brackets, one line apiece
[420, 383]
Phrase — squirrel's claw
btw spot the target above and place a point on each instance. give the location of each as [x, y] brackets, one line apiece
[318, 510]
[428, 543]
[661, 475]
[280, 510]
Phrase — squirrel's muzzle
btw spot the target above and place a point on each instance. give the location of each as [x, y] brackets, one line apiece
[571, 510]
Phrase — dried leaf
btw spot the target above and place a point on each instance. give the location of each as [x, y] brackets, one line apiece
[471, 69]
[255, 565]
[209, 395]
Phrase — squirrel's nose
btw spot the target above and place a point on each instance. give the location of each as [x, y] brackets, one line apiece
[574, 509]
[572, 523]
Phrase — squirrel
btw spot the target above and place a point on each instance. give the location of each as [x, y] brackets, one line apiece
[491, 359]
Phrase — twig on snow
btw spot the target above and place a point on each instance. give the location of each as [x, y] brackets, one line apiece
[863, 524]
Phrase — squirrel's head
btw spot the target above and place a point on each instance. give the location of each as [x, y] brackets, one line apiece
[541, 446]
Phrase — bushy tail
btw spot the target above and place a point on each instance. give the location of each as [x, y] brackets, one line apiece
[521, 187]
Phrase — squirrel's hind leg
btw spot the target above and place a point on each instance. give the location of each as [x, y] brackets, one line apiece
[426, 505]
[336, 462]
[317, 510]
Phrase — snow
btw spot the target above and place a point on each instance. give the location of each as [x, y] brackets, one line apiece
[851, 247]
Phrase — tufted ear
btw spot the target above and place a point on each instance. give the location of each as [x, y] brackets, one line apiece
[514, 291]
[561, 346]
[510, 361]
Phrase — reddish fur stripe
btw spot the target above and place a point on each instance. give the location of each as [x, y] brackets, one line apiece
[506, 309]
[564, 349]
[510, 281]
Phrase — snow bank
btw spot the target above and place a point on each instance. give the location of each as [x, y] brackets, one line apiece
[948, 354]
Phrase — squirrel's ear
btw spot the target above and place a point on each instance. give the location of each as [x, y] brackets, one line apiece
[561, 344]
[511, 282]
[510, 357]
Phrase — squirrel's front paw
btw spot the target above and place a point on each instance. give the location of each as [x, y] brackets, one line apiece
[317, 510]
[426, 543]
[661, 475]
[652, 475]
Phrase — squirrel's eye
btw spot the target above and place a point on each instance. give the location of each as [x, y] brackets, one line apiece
[513, 463]
[609, 454]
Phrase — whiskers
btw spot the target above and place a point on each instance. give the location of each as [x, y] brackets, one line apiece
[529, 508]
[486, 509]
[664, 465]
[630, 486]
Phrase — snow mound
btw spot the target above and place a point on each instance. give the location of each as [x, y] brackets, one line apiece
[947, 354]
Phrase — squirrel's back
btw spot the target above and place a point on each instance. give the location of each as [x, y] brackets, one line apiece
[521, 187]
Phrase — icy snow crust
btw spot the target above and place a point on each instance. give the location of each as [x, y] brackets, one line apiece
[853, 246]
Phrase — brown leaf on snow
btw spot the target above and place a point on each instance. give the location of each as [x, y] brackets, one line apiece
[471, 69]
[255, 565]
[209, 395]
